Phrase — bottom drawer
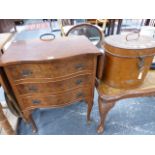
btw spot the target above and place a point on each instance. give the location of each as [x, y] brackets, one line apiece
[31, 102]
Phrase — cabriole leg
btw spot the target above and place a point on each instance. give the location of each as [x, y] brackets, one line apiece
[104, 108]
[89, 109]
[28, 118]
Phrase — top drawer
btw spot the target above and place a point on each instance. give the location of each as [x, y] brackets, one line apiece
[53, 69]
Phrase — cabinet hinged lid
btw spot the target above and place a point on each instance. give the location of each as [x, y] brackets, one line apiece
[130, 41]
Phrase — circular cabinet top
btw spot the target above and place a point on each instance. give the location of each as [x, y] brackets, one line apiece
[130, 41]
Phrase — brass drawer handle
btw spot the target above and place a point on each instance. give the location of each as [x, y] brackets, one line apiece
[32, 88]
[26, 72]
[80, 95]
[36, 101]
[78, 82]
[79, 66]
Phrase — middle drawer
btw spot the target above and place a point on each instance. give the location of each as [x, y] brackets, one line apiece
[27, 88]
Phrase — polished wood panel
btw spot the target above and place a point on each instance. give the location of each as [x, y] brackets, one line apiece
[57, 100]
[51, 69]
[100, 66]
[38, 50]
[44, 86]
[125, 73]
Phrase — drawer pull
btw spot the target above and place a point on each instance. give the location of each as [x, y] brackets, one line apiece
[80, 95]
[26, 73]
[78, 82]
[32, 88]
[79, 66]
[36, 101]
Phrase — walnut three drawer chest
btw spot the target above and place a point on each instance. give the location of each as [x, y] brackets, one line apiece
[49, 74]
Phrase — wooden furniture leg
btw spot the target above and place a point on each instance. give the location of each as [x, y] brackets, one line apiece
[5, 123]
[89, 109]
[104, 108]
[28, 118]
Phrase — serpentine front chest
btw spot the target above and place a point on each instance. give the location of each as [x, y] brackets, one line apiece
[49, 74]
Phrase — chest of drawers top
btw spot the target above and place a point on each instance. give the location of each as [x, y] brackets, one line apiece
[38, 50]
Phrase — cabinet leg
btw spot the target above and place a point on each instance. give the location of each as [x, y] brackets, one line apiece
[104, 108]
[28, 118]
[89, 109]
